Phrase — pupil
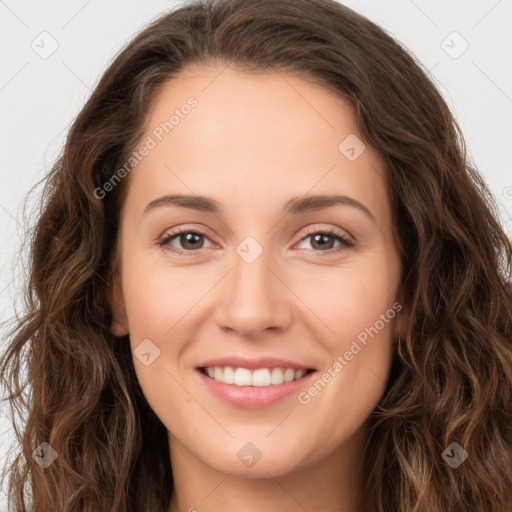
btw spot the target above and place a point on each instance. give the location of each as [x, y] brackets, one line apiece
[318, 239]
[189, 237]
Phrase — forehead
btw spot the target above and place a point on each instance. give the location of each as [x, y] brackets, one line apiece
[271, 134]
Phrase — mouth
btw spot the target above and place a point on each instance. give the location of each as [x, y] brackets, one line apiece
[253, 382]
[259, 377]
[253, 388]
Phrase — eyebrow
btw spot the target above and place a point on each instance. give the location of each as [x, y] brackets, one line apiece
[295, 205]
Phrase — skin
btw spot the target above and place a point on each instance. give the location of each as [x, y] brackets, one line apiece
[253, 142]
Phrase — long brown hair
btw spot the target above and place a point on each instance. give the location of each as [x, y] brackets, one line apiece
[451, 378]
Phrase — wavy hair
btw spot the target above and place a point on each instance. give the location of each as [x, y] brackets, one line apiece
[451, 375]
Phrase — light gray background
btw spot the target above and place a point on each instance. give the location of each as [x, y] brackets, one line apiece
[39, 97]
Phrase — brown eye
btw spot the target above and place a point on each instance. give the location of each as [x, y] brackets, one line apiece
[191, 241]
[188, 241]
[323, 241]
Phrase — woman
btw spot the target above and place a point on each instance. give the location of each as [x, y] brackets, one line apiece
[193, 344]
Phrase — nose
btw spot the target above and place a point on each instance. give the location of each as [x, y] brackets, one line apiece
[254, 297]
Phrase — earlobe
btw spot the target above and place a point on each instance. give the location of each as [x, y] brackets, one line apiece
[119, 324]
[118, 328]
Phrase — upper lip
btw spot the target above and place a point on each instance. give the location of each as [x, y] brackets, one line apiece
[253, 363]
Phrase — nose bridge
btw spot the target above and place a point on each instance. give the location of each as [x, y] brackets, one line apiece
[254, 297]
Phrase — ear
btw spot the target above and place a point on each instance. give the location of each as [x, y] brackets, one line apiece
[119, 325]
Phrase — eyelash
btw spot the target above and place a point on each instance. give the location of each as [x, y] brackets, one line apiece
[345, 242]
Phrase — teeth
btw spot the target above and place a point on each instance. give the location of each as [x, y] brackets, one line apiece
[228, 375]
[261, 377]
[289, 374]
[242, 377]
[277, 376]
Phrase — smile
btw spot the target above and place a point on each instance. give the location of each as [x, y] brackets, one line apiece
[256, 388]
[260, 377]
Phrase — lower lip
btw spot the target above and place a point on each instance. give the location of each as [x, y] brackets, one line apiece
[253, 397]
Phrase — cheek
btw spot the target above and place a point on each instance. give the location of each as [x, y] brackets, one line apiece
[157, 297]
[350, 299]
[159, 302]
[357, 308]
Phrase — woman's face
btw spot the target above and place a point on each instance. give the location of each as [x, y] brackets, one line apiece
[263, 268]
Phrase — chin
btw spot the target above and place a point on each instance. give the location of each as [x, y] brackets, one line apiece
[256, 459]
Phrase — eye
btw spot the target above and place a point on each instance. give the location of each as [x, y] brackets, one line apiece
[191, 241]
[320, 241]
